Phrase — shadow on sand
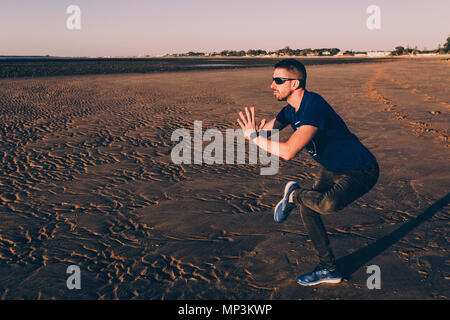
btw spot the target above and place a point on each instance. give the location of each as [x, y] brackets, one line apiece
[352, 262]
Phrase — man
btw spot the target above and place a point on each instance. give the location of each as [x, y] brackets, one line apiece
[347, 169]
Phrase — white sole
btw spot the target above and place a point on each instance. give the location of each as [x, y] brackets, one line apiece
[323, 281]
[286, 188]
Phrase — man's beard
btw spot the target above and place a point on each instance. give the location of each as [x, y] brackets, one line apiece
[280, 98]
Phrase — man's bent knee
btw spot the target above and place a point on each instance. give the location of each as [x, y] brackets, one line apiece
[327, 206]
[316, 201]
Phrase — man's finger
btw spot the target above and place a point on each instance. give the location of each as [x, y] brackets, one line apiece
[241, 124]
[241, 114]
[249, 118]
[252, 112]
[261, 125]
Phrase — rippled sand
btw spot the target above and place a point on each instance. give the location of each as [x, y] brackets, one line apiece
[87, 179]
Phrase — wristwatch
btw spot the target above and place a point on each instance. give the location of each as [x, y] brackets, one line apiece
[254, 135]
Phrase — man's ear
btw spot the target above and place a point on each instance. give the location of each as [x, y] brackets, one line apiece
[297, 84]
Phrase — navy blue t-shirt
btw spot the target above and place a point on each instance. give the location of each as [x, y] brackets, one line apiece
[333, 145]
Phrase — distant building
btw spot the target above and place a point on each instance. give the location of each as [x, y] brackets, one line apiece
[378, 53]
[344, 54]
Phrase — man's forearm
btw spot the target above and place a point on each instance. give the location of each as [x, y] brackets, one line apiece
[280, 149]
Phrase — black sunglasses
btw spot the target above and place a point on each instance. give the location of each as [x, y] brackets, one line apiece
[283, 80]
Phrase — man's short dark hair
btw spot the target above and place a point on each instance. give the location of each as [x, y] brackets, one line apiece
[295, 67]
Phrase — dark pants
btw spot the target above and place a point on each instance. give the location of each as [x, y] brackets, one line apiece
[331, 192]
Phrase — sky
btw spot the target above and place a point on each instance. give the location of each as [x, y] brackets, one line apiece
[137, 27]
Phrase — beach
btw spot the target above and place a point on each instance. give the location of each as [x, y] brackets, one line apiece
[87, 179]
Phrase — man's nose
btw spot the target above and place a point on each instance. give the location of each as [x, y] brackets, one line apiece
[272, 85]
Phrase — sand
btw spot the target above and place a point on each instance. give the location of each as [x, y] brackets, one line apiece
[87, 180]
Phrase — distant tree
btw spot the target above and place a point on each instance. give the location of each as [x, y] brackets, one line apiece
[408, 50]
[193, 54]
[307, 51]
[334, 51]
[447, 45]
[262, 52]
[259, 52]
[399, 50]
[286, 51]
